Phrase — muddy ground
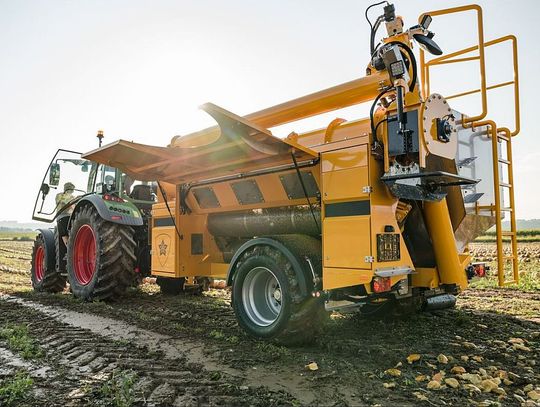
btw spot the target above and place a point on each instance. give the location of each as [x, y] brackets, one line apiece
[147, 349]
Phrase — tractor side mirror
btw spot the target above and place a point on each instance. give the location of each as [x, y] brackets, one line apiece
[84, 167]
[54, 175]
[44, 189]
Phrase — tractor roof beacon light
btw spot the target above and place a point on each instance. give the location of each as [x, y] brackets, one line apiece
[100, 136]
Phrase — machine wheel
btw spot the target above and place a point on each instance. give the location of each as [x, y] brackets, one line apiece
[44, 276]
[267, 299]
[171, 286]
[60, 250]
[100, 254]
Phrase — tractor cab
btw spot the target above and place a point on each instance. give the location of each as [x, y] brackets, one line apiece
[70, 178]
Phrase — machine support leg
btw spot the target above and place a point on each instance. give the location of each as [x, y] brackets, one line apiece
[440, 230]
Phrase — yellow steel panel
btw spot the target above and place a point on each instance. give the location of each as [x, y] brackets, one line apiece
[346, 242]
[341, 277]
[345, 158]
[164, 249]
[425, 277]
[159, 210]
[219, 270]
[345, 184]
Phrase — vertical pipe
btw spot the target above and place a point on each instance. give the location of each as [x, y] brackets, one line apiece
[440, 230]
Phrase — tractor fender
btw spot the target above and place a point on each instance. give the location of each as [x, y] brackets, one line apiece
[103, 210]
[305, 258]
[50, 245]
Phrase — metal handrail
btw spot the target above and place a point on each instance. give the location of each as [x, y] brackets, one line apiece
[450, 58]
[424, 66]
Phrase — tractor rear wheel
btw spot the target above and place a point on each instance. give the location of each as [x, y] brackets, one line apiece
[100, 255]
[171, 286]
[267, 299]
[44, 275]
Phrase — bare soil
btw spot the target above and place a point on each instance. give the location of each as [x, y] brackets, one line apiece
[189, 349]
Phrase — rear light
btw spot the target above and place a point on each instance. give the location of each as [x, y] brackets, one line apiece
[112, 198]
[381, 284]
[480, 269]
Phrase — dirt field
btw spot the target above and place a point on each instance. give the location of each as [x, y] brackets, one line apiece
[147, 349]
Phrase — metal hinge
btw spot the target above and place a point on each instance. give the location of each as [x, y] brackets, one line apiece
[369, 259]
[367, 189]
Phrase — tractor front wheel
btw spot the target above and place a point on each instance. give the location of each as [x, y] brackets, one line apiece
[99, 254]
[44, 275]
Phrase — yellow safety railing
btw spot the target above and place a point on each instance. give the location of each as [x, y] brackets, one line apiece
[424, 66]
[497, 134]
[450, 58]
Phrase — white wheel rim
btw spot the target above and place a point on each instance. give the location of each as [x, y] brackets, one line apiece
[262, 296]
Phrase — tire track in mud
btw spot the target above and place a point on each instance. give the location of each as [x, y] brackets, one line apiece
[164, 375]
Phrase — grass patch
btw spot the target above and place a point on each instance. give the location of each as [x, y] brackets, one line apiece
[118, 390]
[274, 351]
[233, 339]
[13, 390]
[19, 340]
[529, 277]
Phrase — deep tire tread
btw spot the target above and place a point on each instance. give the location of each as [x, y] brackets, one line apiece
[307, 313]
[53, 281]
[115, 261]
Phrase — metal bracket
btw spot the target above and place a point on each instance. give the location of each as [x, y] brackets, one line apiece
[367, 189]
[369, 259]
[393, 271]
[316, 280]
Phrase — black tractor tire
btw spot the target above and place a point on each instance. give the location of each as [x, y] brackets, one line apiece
[61, 251]
[171, 286]
[44, 276]
[100, 256]
[299, 317]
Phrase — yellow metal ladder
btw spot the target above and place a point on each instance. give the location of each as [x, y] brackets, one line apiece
[504, 136]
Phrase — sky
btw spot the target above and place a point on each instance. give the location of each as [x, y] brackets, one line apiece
[140, 69]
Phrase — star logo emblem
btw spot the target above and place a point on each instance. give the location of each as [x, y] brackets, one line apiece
[162, 248]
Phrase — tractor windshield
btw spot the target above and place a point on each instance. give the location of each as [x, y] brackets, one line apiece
[67, 178]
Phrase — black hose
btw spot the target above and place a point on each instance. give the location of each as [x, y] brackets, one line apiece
[372, 110]
[373, 30]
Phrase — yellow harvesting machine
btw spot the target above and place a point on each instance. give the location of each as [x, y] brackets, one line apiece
[374, 214]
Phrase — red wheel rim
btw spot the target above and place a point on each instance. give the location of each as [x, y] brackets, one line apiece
[39, 263]
[84, 255]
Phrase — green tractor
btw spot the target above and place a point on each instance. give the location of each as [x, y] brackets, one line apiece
[99, 242]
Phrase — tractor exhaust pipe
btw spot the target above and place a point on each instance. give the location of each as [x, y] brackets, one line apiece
[440, 302]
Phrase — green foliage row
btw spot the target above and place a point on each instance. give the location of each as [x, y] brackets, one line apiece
[19, 340]
[13, 390]
[118, 390]
[528, 232]
[17, 236]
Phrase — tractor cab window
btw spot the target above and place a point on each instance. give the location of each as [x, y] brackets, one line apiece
[66, 179]
[106, 180]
